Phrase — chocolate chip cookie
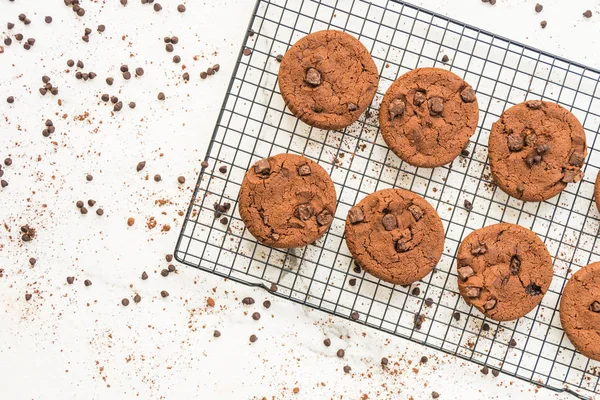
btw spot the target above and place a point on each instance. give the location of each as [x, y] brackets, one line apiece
[580, 310]
[327, 79]
[427, 116]
[287, 201]
[395, 235]
[504, 270]
[536, 149]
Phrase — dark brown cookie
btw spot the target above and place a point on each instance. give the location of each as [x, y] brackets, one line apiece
[327, 79]
[427, 116]
[287, 201]
[395, 235]
[597, 191]
[536, 148]
[504, 270]
[580, 310]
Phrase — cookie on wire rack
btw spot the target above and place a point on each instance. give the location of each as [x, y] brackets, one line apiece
[287, 200]
[395, 235]
[504, 270]
[327, 79]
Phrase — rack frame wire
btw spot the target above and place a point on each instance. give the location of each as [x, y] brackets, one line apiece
[254, 123]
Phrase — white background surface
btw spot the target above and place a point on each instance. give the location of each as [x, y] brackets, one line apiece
[72, 341]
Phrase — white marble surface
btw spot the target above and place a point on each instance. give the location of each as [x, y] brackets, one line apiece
[72, 341]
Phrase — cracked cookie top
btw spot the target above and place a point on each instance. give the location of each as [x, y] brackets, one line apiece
[580, 310]
[287, 201]
[427, 116]
[504, 270]
[536, 148]
[395, 235]
[327, 79]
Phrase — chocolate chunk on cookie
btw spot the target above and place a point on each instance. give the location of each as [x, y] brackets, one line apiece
[427, 116]
[580, 310]
[536, 148]
[287, 201]
[395, 235]
[327, 79]
[504, 271]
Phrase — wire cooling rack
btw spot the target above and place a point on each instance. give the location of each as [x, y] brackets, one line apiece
[254, 123]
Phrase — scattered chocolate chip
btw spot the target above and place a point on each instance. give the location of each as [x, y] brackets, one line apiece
[32, 261]
[248, 301]
[124, 2]
[125, 302]
[91, 202]
[216, 333]
[495, 372]
[512, 343]
[216, 67]
[126, 75]
[266, 304]
[490, 304]
[203, 75]
[418, 321]
[247, 52]
[137, 298]
[436, 106]
[157, 7]
[8, 41]
[164, 294]
[83, 210]
[164, 272]
[10, 25]
[79, 64]
[485, 327]
[87, 282]
[223, 169]
[144, 276]
[435, 395]
[352, 282]
[70, 280]
[204, 164]
[539, 7]
[588, 14]
[19, 36]
[543, 24]
[485, 370]
[429, 302]
[109, 81]
[100, 212]
[340, 353]
[347, 369]
[22, 17]
[416, 291]
[389, 222]
[279, 57]
[27, 296]
[445, 59]
[101, 28]
[424, 360]
[181, 8]
[169, 47]
[174, 39]
[161, 96]
[210, 71]
[313, 77]
[456, 316]
[140, 166]
[89, 177]
[354, 316]
[186, 76]
[8, 161]
[255, 316]
[384, 361]
[85, 38]
[157, 178]
[468, 205]
[130, 221]
[327, 342]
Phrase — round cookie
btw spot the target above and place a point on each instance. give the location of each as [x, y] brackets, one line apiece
[580, 310]
[427, 116]
[597, 191]
[504, 270]
[536, 148]
[287, 201]
[395, 235]
[327, 79]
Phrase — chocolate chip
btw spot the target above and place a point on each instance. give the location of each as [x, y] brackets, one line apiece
[357, 269]
[533, 290]
[324, 218]
[533, 159]
[473, 292]
[303, 212]
[429, 302]
[340, 353]
[247, 52]
[515, 142]
[255, 316]
[169, 48]
[279, 57]
[347, 369]
[352, 282]
[539, 7]
[495, 373]
[204, 164]
[424, 360]
[416, 291]
[534, 104]
[85, 38]
[127, 75]
[436, 106]
[595, 307]
[132, 105]
[83, 210]
[27, 296]
[203, 75]
[100, 212]
[542, 148]
[10, 25]
[465, 273]
[490, 304]
[181, 8]
[384, 361]
[32, 261]
[248, 301]
[109, 81]
[354, 316]
[80, 12]
[512, 343]
[419, 98]
[515, 265]
[87, 282]
[479, 250]
[8, 161]
[327, 342]
[468, 205]
[137, 298]
[416, 212]
[355, 215]
[224, 220]
[313, 77]
[91, 202]
[418, 321]
[520, 188]
[164, 294]
[89, 177]
[144, 276]
[303, 170]
[19, 36]
[210, 71]
[261, 167]
[8, 41]
[157, 178]
[130, 221]
[485, 327]
[588, 14]
[79, 64]
[435, 395]
[125, 302]
[101, 28]
[389, 222]
[266, 304]
[401, 246]
[577, 159]
[164, 272]
[186, 76]
[157, 7]
[396, 108]
[456, 316]
[161, 96]
[485, 370]
[216, 67]
[352, 107]
[445, 58]
[174, 39]
[70, 280]
[216, 333]
[45, 79]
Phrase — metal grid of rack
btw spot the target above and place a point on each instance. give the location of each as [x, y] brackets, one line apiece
[254, 123]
